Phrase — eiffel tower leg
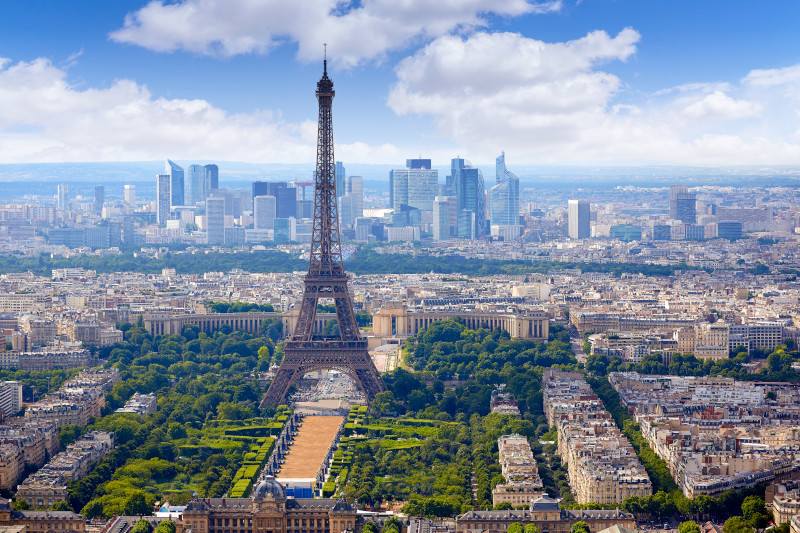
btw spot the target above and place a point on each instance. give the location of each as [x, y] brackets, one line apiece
[279, 387]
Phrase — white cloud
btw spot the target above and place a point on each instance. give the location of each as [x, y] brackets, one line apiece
[553, 103]
[355, 33]
[720, 106]
[44, 118]
[774, 77]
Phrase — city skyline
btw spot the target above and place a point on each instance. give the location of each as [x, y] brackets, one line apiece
[575, 82]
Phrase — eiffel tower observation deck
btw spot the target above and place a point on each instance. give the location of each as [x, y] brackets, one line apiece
[305, 352]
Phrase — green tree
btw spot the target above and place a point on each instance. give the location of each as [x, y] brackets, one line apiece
[61, 506]
[93, 509]
[20, 505]
[755, 511]
[531, 528]
[580, 527]
[142, 526]
[502, 506]
[166, 526]
[737, 524]
[689, 527]
[384, 403]
[136, 504]
[369, 527]
[516, 527]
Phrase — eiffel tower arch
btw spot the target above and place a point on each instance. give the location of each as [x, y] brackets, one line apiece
[305, 352]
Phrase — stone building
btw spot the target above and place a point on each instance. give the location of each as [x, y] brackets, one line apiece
[545, 514]
[62, 521]
[269, 510]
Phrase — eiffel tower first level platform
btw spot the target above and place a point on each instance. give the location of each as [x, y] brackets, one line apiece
[326, 279]
[302, 357]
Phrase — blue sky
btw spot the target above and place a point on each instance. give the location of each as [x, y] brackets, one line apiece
[552, 82]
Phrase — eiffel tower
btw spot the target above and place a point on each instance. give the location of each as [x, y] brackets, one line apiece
[305, 352]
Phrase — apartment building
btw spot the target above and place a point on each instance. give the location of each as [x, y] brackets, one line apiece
[522, 483]
[601, 463]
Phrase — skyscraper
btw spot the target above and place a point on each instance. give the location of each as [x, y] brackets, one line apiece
[579, 213]
[215, 219]
[355, 188]
[162, 198]
[212, 175]
[196, 184]
[415, 186]
[63, 196]
[674, 191]
[176, 193]
[260, 188]
[341, 179]
[130, 194]
[441, 218]
[686, 207]
[285, 198]
[99, 198]
[263, 212]
[504, 197]
[471, 195]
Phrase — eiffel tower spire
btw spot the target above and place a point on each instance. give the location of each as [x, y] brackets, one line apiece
[306, 351]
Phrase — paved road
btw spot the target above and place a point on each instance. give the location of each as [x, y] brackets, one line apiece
[577, 347]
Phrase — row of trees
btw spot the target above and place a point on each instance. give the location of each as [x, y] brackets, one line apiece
[778, 367]
[168, 455]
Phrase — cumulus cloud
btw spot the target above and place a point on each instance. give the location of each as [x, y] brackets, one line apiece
[720, 106]
[355, 31]
[44, 118]
[554, 103]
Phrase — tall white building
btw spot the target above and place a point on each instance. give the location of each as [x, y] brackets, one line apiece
[579, 213]
[415, 186]
[355, 188]
[63, 196]
[130, 194]
[215, 219]
[162, 198]
[441, 218]
[264, 212]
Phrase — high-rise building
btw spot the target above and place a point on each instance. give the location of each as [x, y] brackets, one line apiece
[729, 229]
[346, 211]
[285, 230]
[504, 197]
[674, 191]
[579, 214]
[129, 194]
[99, 198]
[212, 177]
[215, 219]
[176, 192]
[196, 184]
[260, 188]
[471, 195]
[263, 212]
[341, 179]
[355, 188]
[416, 185]
[162, 198]
[63, 196]
[441, 218]
[686, 205]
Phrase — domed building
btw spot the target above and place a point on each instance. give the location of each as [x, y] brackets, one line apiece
[268, 510]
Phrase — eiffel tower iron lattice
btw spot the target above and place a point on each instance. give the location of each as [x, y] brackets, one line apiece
[305, 352]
